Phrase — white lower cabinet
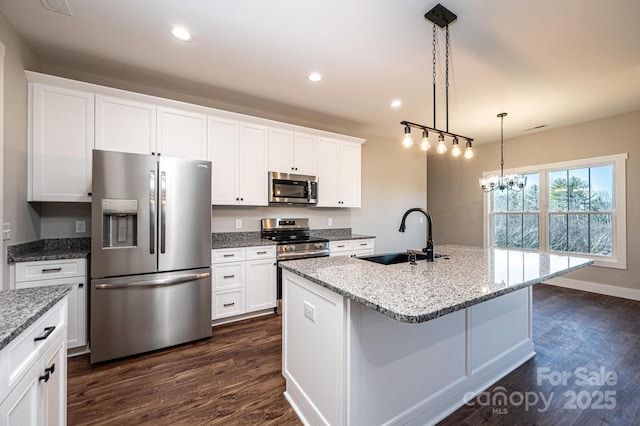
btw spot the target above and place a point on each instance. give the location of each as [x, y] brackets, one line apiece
[33, 376]
[244, 281]
[53, 272]
[353, 248]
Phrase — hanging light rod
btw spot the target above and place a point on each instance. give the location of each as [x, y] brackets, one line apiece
[431, 129]
[441, 17]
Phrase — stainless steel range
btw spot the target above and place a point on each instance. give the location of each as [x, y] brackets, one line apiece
[294, 242]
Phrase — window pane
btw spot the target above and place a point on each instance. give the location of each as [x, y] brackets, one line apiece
[514, 200]
[499, 201]
[602, 188]
[601, 234]
[558, 201]
[579, 190]
[500, 230]
[530, 231]
[578, 238]
[558, 232]
[514, 230]
[532, 193]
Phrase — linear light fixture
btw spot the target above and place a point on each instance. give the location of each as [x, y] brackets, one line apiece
[441, 17]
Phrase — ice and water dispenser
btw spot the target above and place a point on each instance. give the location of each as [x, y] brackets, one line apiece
[119, 223]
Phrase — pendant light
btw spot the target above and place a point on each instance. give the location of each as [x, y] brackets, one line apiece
[502, 182]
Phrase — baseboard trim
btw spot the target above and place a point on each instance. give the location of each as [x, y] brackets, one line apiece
[608, 290]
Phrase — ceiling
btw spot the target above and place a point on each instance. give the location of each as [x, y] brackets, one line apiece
[545, 62]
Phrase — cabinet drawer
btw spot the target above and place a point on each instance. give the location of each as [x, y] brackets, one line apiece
[21, 353]
[362, 244]
[227, 303]
[227, 255]
[262, 252]
[228, 275]
[44, 270]
[338, 246]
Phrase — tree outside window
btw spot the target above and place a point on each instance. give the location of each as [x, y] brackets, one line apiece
[516, 216]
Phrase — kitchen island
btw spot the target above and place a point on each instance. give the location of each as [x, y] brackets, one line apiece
[365, 343]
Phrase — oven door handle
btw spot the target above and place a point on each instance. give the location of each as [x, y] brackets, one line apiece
[291, 256]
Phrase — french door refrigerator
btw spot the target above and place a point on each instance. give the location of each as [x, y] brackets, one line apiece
[150, 253]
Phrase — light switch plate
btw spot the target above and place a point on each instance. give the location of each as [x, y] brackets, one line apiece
[330, 221]
[81, 226]
[6, 231]
[238, 223]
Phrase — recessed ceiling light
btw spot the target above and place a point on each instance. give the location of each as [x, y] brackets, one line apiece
[314, 76]
[396, 103]
[181, 33]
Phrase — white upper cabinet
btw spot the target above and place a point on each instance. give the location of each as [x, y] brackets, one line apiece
[339, 175]
[182, 133]
[292, 152]
[60, 143]
[124, 125]
[239, 162]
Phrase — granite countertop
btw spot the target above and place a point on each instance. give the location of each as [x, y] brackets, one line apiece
[338, 234]
[49, 249]
[21, 308]
[418, 293]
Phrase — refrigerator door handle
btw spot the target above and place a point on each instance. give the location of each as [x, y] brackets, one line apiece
[159, 282]
[152, 212]
[163, 202]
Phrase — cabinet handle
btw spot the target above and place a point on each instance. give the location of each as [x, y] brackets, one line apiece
[340, 246]
[47, 333]
[80, 285]
[262, 252]
[226, 277]
[45, 377]
[226, 305]
[228, 255]
[50, 369]
[46, 270]
[363, 244]
[89, 194]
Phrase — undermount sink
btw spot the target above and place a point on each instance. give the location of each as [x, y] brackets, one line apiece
[393, 258]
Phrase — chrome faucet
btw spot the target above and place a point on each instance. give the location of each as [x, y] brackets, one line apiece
[429, 248]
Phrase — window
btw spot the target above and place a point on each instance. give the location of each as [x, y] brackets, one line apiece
[575, 207]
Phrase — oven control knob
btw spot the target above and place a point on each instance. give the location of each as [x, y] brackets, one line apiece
[287, 248]
[319, 245]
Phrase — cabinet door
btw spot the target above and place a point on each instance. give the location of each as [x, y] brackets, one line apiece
[125, 126]
[261, 284]
[224, 154]
[253, 165]
[22, 407]
[61, 135]
[304, 160]
[328, 173]
[182, 134]
[54, 390]
[281, 151]
[350, 175]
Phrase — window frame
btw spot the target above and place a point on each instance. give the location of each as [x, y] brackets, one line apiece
[618, 258]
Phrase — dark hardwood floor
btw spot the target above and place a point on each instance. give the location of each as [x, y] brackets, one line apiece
[235, 378]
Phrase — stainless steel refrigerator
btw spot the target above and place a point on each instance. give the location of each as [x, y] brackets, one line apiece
[150, 253]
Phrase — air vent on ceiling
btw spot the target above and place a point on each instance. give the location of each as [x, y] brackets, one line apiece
[542, 126]
[59, 6]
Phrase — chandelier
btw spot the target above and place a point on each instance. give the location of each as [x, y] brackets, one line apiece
[440, 16]
[502, 182]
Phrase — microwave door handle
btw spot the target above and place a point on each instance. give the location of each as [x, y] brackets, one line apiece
[163, 210]
[152, 212]
[308, 190]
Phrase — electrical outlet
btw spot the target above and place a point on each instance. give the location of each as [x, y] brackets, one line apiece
[310, 311]
[6, 231]
[330, 221]
[81, 226]
[238, 223]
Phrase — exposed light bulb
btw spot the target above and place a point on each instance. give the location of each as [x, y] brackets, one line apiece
[468, 152]
[425, 145]
[181, 33]
[456, 151]
[407, 141]
[442, 148]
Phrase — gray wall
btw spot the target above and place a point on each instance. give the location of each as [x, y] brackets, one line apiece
[456, 200]
[24, 219]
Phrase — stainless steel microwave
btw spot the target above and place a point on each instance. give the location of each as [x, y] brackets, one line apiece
[288, 188]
